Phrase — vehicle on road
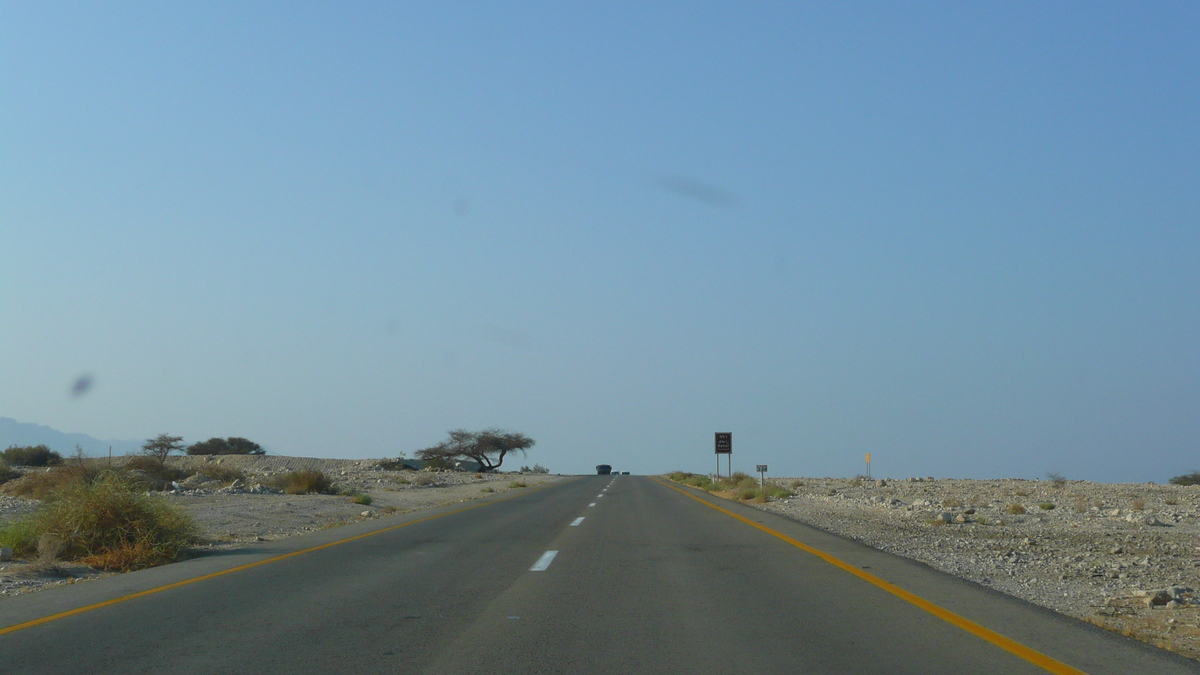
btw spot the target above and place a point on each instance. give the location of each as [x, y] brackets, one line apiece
[603, 469]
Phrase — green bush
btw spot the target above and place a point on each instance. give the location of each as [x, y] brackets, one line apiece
[778, 491]
[1014, 509]
[1192, 478]
[1046, 506]
[108, 522]
[233, 445]
[303, 483]
[31, 455]
[517, 484]
[360, 498]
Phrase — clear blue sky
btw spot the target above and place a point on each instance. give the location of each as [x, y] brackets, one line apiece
[960, 236]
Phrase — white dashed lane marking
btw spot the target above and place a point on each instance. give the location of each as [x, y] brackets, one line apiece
[592, 504]
[577, 521]
[543, 562]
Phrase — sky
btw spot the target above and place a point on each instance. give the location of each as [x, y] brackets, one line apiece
[959, 236]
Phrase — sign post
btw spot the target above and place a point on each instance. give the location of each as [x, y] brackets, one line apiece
[724, 446]
[762, 478]
[868, 466]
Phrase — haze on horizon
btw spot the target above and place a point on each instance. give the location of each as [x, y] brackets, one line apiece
[961, 237]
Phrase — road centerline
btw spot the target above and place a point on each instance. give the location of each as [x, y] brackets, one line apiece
[543, 562]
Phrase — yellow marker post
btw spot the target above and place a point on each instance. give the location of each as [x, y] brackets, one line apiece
[868, 465]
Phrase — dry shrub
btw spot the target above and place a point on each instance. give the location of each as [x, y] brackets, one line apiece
[103, 522]
[953, 502]
[303, 483]
[426, 479]
[127, 558]
[153, 468]
[41, 484]
[388, 510]
[518, 484]
[49, 547]
[6, 472]
[225, 474]
[1138, 504]
[1015, 509]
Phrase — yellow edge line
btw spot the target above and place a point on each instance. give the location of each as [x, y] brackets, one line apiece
[1007, 644]
[285, 556]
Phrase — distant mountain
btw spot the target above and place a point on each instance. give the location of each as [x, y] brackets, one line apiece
[13, 432]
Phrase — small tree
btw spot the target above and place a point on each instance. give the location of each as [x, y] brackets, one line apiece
[161, 446]
[486, 448]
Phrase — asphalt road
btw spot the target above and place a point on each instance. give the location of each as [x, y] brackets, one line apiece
[652, 580]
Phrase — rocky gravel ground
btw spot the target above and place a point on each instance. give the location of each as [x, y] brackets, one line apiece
[231, 515]
[1122, 556]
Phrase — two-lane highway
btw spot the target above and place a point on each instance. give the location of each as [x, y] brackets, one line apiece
[596, 574]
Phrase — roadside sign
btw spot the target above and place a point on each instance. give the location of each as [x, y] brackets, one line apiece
[762, 477]
[761, 468]
[724, 442]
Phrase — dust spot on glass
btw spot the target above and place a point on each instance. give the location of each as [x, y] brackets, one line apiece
[695, 190]
[507, 337]
[82, 384]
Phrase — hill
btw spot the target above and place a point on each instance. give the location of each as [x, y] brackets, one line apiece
[13, 432]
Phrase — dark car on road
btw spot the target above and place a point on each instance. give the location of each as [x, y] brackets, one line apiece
[603, 469]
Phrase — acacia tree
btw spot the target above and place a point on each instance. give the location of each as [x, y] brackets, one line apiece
[234, 445]
[161, 446]
[487, 447]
